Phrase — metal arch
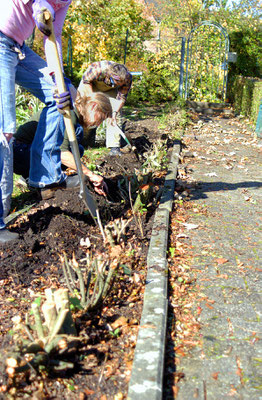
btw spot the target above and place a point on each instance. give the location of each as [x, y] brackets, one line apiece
[224, 65]
[210, 23]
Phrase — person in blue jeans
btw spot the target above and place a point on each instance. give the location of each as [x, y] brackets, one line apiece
[20, 65]
[24, 137]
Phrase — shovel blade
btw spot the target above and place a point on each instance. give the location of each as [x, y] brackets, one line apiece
[89, 202]
[92, 207]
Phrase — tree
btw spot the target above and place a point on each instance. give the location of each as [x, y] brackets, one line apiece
[98, 30]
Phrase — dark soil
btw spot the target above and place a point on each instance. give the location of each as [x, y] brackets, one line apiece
[55, 227]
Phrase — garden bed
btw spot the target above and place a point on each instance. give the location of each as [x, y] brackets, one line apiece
[63, 226]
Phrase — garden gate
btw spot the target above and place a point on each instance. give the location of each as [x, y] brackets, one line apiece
[207, 57]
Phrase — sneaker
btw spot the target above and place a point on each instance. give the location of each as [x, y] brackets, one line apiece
[70, 182]
[115, 151]
[6, 236]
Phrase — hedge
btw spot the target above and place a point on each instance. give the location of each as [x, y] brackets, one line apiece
[245, 94]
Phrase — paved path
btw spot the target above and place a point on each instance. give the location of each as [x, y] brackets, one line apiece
[226, 163]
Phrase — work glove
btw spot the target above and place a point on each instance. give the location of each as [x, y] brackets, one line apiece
[39, 7]
[62, 99]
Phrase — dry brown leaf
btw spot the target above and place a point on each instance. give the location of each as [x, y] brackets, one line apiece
[196, 393]
[239, 371]
[119, 396]
[215, 375]
[180, 352]
[89, 392]
[175, 390]
[199, 310]
[221, 260]
[116, 251]
[222, 276]
[148, 326]
[121, 321]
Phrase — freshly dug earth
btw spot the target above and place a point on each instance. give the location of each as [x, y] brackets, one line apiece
[62, 225]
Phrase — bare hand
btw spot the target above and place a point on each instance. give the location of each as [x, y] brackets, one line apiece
[112, 121]
[99, 184]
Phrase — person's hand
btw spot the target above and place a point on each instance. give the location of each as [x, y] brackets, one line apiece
[62, 99]
[112, 121]
[114, 114]
[39, 7]
[99, 184]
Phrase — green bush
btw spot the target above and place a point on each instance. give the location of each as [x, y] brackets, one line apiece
[247, 45]
[245, 94]
[160, 78]
[26, 105]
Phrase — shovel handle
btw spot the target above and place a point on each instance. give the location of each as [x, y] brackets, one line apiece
[53, 61]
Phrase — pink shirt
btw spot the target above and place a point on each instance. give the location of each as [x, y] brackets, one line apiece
[16, 20]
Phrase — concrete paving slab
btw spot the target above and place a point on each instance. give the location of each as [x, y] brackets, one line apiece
[227, 168]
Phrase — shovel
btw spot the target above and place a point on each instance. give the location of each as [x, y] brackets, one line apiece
[53, 61]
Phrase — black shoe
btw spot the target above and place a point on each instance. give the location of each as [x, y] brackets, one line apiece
[115, 151]
[70, 182]
[6, 236]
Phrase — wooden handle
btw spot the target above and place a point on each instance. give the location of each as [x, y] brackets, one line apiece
[54, 64]
[52, 56]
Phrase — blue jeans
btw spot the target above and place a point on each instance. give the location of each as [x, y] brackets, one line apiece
[22, 153]
[31, 73]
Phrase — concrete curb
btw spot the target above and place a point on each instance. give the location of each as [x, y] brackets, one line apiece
[146, 380]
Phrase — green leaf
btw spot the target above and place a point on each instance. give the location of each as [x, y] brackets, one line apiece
[75, 304]
[37, 301]
[126, 269]
[10, 299]
[172, 251]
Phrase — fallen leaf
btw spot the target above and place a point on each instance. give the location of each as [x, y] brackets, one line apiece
[232, 392]
[239, 371]
[199, 310]
[175, 390]
[121, 321]
[85, 242]
[190, 226]
[221, 260]
[196, 393]
[215, 375]
[116, 251]
[180, 352]
[119, 396]
[211, 174]
[222, 276]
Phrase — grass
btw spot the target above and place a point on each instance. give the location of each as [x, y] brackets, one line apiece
[26, 105]
[142, 111]
[173, 121]
[91, 155]
[21, 197]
